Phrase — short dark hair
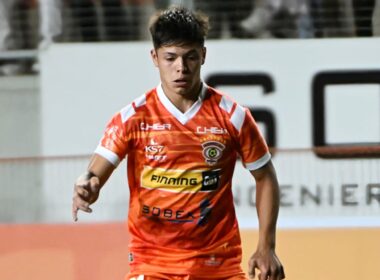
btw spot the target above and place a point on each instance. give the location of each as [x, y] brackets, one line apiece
[178, 25]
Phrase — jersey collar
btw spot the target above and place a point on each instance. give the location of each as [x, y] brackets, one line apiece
[183, 118]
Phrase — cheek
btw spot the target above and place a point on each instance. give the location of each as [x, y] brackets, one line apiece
[197, 68]
[165, 71]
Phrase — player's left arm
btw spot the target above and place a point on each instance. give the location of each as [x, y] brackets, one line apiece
[267, 204]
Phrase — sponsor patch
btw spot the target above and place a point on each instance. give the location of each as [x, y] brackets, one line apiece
[210, 180]
[155, 151]
[180, 180]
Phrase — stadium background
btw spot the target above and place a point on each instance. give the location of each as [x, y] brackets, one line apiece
[305, 94]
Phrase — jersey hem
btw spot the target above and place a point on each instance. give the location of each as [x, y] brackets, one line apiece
[204, 274]
[108, 155]
[258, 163]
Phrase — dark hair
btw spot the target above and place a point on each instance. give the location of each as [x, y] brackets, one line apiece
[178, 25]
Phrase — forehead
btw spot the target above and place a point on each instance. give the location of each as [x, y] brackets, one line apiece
[180, 49]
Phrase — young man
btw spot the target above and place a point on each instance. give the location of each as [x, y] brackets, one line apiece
[182, 140]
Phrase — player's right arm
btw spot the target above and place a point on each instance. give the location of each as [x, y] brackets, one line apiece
[88, 185]
[113, 147]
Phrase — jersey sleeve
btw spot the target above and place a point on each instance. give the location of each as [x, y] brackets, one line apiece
[114, 144]
[253, 148]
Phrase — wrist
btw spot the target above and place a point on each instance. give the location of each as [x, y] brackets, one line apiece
[267, 242]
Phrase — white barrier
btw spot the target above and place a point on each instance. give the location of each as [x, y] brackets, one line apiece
[315, 192]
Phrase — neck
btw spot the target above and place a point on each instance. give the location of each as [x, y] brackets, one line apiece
[183, 102]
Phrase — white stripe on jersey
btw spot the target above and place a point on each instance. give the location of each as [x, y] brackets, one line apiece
[258, 163]
[226, 104]
[238, 117]
[108, 155]
[140, 277]
[127, 112]
[140, 101]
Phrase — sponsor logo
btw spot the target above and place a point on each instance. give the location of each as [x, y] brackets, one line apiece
[180, 180]
[212, 151]
[155, 126]
[212, 130]
[168, 214]
[210, 180]
[212, 261]
[155, 151]
[206, 209]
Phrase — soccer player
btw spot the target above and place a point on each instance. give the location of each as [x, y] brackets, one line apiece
[181, 140]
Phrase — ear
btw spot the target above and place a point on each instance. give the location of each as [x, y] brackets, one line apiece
[204, 51]
[154, 56]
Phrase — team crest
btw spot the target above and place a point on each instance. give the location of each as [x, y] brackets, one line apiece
[212, 151]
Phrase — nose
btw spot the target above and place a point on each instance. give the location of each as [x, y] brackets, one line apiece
[181, 65]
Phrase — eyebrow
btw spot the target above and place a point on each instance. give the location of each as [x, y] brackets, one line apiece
[187, 53]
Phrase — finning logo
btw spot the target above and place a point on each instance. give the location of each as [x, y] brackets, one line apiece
[212, 151]
[180, 180]
[154, 151]
[155, 126]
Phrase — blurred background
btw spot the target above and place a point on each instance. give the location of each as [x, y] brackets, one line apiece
[309, 70]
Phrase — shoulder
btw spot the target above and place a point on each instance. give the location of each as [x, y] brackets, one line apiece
[137, 106]
[234, 111]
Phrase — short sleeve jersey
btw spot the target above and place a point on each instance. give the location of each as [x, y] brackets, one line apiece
[180, 165]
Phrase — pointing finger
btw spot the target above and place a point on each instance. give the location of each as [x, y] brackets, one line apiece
[251, 268]
[75, 213]
[263, 274]
[79, 204]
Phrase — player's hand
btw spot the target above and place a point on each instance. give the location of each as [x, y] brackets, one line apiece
[86, 192]
[268, 264]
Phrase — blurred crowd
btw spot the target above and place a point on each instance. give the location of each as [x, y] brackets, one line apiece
[32, 24]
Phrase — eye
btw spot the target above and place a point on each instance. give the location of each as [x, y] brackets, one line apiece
[170, 58]
[193, 57]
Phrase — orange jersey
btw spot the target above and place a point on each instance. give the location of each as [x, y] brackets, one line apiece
[180, 165]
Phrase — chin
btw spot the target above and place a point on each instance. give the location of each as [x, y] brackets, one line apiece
[181, 90]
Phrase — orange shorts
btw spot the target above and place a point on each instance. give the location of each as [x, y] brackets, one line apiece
[164, 276]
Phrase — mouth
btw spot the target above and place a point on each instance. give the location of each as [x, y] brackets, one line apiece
[181, 82]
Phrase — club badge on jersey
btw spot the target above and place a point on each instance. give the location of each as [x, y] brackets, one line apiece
[212, 151]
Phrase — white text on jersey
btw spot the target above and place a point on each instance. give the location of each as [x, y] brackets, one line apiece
[155, 126]
[213, 130]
